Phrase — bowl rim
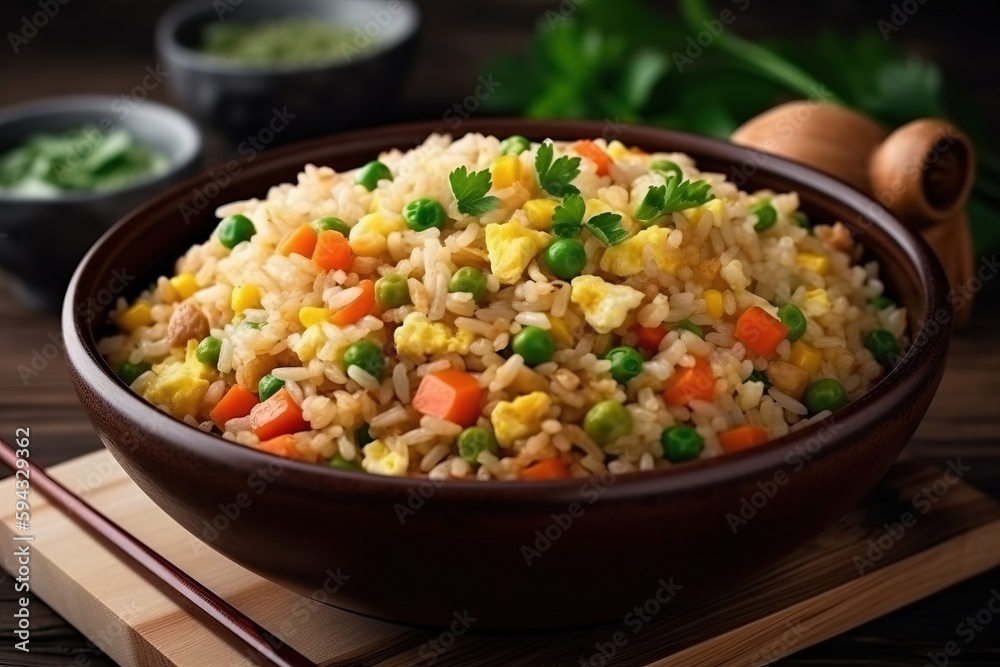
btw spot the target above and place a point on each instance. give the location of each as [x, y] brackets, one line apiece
[189, 139]
[913, 371]
[165, 36]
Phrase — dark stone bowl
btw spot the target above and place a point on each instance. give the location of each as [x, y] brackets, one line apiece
[514, 554]
[275, 103]
[43, 239]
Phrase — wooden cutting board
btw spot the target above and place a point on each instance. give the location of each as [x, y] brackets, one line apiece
[919, 531]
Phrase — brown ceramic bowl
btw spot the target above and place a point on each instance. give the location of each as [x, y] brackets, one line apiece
[410, 551]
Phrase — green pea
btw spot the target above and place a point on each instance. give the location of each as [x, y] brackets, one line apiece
[331, 224]
[361, 436]
[688, 325]
[667, 168]
[424, 213]
[792, 317]
[766, 215]
[802, 220]
[514, 145]
[681, 443]
[881, 302]
[759, 376]
[607, 421]
[391, 291]
[234, 229]
[468, 279]
[128, 372]
[373, 172]
[340, 463]
[207, 351]
[367, 356]
[269, 386]
[534, 344]
[565, 258]
[883, 346]
[825, 394]
[626, 363]
[473, 441]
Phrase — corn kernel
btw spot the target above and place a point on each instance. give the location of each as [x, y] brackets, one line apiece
[506, 171]
[806, 357]
[617, 150]
[139, 315]
[245, 296]
[309, 315]
[560, 332]
[714, 303]
[369, 237]
[184, 284]
[810, 261]
[539, 212]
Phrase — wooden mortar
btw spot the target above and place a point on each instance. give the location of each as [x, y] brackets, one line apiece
[922, 172]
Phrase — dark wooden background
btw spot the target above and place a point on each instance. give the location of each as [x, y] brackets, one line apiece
[103, 46]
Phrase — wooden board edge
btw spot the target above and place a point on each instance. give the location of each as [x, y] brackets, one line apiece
[847, 606]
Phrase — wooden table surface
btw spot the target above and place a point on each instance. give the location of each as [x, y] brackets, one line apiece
[963, 422]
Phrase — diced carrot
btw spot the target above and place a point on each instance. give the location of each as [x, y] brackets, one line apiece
[450, 394]
[284, 445]
[760, 332]
[649, 337]
[688, 384]
[278, 415]
[358, 308]
[547, 469]
[302, 241]
[238, 402]
[742, 437]
[332, 251]
[590, 150]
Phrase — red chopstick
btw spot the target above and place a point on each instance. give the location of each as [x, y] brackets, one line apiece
[223, 613]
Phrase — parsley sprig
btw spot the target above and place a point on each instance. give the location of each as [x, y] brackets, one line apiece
[556, 177]
[675, 195]
[567, 222]
[470, 191]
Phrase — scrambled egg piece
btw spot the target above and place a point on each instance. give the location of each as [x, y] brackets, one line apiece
[180, 386]
[519, 418]
[511, 247]
[307, 346]
[418, 338]
[380, 460]
[716, 206]
[625, 259]
[605, 306]
[816, 302]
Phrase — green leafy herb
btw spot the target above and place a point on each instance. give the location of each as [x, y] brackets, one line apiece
[567, 219]
[675, 195]
[556, 177]
[567, 222]
[470, 191]
[607, 227]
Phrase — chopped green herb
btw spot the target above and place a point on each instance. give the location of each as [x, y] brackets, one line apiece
[556, 177]
[607, 227]
[470, 191]
[567, 219]
[759, 376]
[675, 195]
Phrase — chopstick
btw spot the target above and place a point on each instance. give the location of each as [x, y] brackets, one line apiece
[220, 611]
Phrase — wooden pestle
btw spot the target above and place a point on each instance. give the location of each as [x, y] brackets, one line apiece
[922, 172]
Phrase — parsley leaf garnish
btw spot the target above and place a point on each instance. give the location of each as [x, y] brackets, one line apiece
[567, 222]
[470, 191]
[675, 195]
[555, 177]
[607, 227]
[567, 219]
